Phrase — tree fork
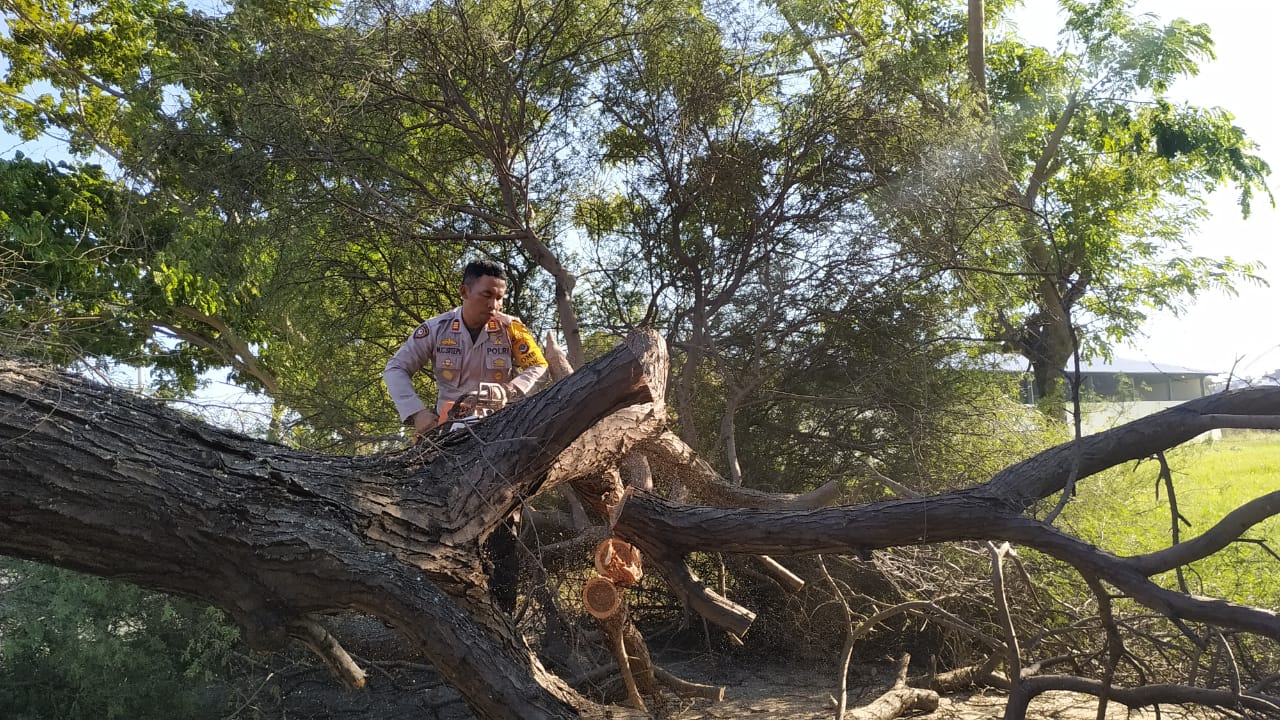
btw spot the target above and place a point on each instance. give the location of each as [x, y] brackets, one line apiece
[100, 481]
[93, 476]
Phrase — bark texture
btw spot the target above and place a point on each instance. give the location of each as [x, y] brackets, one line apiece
[107, 483]
[104, 482]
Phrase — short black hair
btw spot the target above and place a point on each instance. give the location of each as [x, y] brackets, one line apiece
[477, 269]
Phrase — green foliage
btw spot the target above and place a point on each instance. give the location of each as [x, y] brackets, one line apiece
[73, 248]
[1104, 179]
[741, 228]
[807, 199]
[72, 647]
[330, 173]
[320, 175]
[61, 44]
[985, 430]
[1126, 512]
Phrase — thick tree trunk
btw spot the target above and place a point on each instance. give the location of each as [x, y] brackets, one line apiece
[114, 485]
[1048, 343]
[108, 483]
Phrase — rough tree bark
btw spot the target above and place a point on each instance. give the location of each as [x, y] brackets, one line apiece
[104, 482]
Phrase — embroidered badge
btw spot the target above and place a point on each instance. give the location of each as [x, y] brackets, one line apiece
[498, 363]
[446, 374]
[448, 363]
[455, 326]
[492, 326]
[421, 332]
[497, 376]
[448, 342]
[528, 353]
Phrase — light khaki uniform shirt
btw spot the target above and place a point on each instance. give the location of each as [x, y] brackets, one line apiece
[503, 352]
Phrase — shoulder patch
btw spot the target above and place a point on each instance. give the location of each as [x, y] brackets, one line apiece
[421, 332]
[527, 352]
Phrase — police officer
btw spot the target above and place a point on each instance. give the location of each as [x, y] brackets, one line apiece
[471, 344]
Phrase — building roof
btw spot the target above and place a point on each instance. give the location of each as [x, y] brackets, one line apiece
[1117, 366]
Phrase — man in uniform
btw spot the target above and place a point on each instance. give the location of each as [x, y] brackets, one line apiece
[471, 344]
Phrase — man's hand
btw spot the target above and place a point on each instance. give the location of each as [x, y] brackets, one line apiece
[424, 421]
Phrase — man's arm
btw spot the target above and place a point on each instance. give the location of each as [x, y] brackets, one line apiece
[413, 355]
[527, 357]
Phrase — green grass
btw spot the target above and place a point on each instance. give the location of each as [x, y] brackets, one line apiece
[1120, 512]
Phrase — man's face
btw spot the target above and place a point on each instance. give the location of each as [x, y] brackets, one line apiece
[482, 300]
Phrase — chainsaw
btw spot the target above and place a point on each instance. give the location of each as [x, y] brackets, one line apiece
[481, 403]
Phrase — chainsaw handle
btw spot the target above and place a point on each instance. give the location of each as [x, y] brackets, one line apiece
[493, 395]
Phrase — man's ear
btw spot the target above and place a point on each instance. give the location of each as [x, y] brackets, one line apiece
[463, 291]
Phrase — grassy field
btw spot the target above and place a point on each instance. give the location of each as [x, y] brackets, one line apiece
[1126, 511]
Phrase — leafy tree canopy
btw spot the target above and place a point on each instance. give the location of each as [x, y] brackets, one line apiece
[321, 169]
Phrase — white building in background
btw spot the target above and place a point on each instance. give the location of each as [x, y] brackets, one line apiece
[1116, 392]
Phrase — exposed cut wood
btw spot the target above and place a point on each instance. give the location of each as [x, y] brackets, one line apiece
[619, 561]
[111, 484]
[601, 597]
[606, 602]
[784, 577]
[108, 483]
[320, 641]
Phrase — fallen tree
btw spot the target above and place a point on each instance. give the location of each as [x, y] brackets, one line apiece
[105, 482]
